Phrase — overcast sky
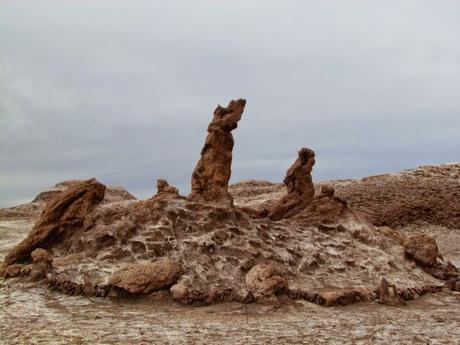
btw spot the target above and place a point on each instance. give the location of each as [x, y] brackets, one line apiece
[124, 90]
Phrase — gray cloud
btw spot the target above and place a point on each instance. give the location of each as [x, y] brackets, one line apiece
[123, 91]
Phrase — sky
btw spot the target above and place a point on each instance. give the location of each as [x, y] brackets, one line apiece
[123, 90]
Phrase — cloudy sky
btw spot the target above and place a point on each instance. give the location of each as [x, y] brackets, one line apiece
[123, 90]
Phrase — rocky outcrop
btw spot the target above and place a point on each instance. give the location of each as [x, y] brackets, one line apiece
[300, 189]
[165, 191]
[145, 277]
[35, 208]
[212, 172]
[61, 215]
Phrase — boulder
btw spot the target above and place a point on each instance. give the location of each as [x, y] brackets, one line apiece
[212, 171]
[40, 254]
[266, 279]
[42, 263]
[145, 277]
[422, 249]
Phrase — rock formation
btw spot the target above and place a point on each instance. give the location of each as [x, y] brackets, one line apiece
[300, 189]
[62, 214]
[212, 172]
[165, 191]
[323, 251]
[34, 208]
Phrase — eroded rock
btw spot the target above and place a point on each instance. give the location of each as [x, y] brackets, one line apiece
[42, 260]
[165, 191]
[388, 294]
[145, 277]
[266, 279]
[61, 215]
[300, 189]
[212, 172]
[422, 249]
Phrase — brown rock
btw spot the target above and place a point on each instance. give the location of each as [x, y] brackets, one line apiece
[144, 277]
[42, 263]
[388, 294]
[327, 190]
[300, 189]
[332, 297]
[422, 249]
[212, 172]
[165, 191]
[266, 279]
[41, 254]
[62, 214]
[15, 270]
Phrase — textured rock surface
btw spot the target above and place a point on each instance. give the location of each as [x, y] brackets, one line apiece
[330, 254]
[422, 248]
[144, 277]
[266, 279]
[61, 216]
[428, 194]
[212, 172]
[165, 191]
[325, 247]
[425, 195]
[34, 208]
[300, 189]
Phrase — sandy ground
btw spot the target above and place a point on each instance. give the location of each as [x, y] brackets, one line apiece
[35, 315]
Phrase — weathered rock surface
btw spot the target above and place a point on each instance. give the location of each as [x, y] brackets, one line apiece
[165, 191]
[422, 248]
[300, 189]
[61, 216]
[388, 294]
[425, 195]
[428, 194]
[34, 208]
[42, 263]
[266, 279]
[144, 277]
[212, 172]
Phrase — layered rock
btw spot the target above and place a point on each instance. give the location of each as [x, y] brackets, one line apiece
[33, 209]
[61, 216]
[212, 172]
[300, 189]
